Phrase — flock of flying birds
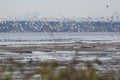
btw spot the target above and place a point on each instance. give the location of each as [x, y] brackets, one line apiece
[56, 25]
[46, 22]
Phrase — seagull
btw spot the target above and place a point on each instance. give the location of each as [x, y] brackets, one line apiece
[107, 6]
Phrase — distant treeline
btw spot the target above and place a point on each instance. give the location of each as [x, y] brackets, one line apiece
[58, 26]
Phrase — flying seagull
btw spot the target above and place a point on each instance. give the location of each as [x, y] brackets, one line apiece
[107, 6]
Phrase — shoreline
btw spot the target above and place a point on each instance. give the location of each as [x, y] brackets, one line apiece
[80, 46]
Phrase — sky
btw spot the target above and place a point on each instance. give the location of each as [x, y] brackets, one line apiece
[58, 8]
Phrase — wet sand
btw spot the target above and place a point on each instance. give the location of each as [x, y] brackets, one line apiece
[73, 46]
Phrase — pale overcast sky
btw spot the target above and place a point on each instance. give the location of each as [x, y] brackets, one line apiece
[66, 8]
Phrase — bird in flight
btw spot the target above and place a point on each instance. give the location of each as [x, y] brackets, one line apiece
[107, 6]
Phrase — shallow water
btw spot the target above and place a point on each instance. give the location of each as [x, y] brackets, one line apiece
[56, 37]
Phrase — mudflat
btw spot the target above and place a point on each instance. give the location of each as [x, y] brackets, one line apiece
[72, 46]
